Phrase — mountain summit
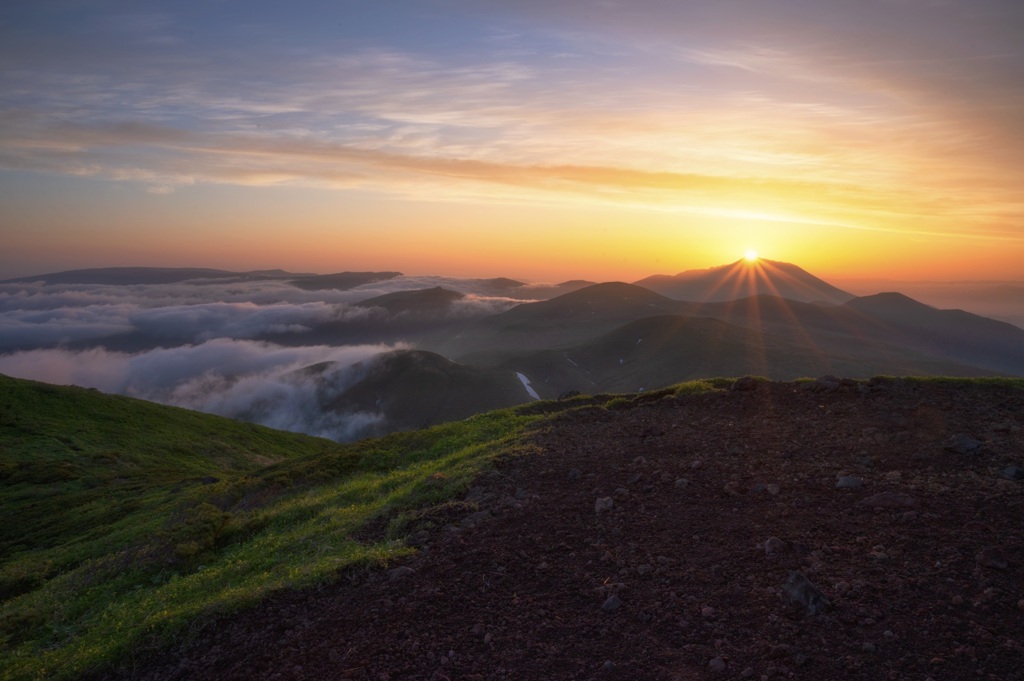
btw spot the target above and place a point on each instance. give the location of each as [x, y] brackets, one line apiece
[743, 279]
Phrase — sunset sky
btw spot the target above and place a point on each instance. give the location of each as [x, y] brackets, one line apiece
[599, 139]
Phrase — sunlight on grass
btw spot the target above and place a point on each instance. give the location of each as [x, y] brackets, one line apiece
[173, 548]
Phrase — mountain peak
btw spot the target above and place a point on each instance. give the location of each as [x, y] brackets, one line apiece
[744, 278]
[419, 301]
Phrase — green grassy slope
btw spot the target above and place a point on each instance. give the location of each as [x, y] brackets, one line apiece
[124, 521]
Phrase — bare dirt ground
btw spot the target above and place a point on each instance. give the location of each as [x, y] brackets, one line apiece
[656, 542]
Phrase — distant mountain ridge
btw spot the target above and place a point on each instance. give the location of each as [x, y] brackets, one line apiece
[421, 301]
[144, 275]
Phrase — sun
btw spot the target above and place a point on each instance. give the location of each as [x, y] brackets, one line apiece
[750, 255]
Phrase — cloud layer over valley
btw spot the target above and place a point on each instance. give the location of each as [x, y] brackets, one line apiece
[204, 344]
[37, 314]
[248, 380]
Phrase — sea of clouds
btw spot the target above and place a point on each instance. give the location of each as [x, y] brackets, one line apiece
[205, 349]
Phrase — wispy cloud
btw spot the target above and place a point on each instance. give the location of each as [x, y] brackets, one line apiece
[880, 113]
[261, 160]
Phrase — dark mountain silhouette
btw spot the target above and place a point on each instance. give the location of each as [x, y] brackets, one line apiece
[655, 352]
[427, 301]
[949, 333]
[546, 291]
[875, 329]
[341, 281]
[126, 276]
[567, 319]
[1002, 301]
[414, 389]
[599, 301]
[743, 279]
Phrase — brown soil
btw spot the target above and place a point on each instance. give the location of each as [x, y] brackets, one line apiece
[917, 588]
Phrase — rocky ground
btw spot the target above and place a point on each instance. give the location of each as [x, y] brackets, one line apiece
[809, 531]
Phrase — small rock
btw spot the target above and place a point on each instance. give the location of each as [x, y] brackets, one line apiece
[604, 504]
[992, 557]
[773, 489]
[747, 673]
[477, 518]
[488, 637]
[612, 603]
[774, 546]
[575, 474]
[697, 463]
[608, 665]
[644, 569]
[717, 665]
[707, 612]
[682, 483]
[803, 593]
[1012, 473]
[849, 482]
[400, 572]
[964, 444]
[868, 647]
